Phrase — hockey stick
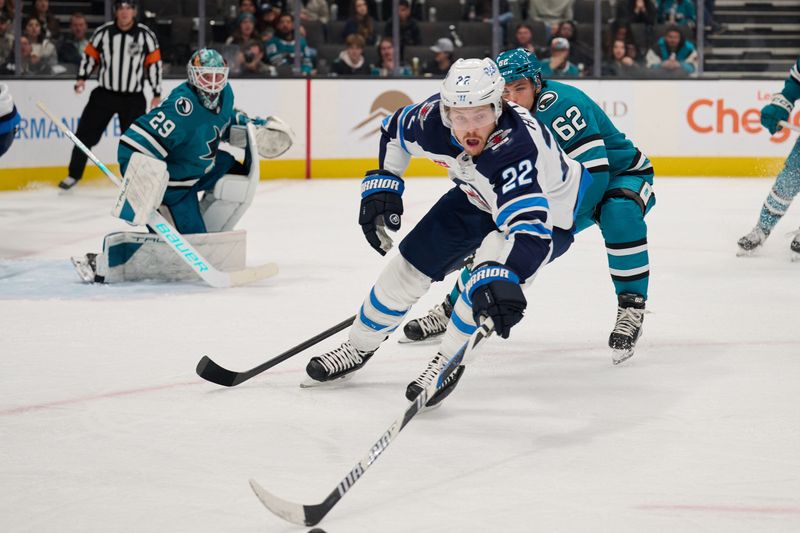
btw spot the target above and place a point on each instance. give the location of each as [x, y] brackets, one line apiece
[170, 235]
[311, 515]
[211, 371]
[786, 125]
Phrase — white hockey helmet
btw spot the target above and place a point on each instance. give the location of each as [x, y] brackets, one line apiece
[471, 83]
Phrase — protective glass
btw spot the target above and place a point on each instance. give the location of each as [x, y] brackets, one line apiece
[470, 118]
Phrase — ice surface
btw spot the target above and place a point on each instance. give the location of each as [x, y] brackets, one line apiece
[105, 427]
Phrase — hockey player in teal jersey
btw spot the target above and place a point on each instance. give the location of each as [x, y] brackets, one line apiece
[172, 155]
[787, 184]
[185, 132]
[620, 196]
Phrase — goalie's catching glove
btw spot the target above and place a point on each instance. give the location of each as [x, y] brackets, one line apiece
[494, 291]
[381, 207]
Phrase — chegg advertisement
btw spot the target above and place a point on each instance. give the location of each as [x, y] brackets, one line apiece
[687, 127]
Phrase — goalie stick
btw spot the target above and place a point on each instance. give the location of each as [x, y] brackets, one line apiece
[173, 239]
[311, 515]
[211, 371]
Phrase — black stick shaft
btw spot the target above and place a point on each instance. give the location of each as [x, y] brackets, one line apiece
[211, 371]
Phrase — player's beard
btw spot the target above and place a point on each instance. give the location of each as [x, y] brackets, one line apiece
[473, 141]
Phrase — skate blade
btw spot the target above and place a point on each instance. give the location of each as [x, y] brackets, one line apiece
[747, 253]
[83, 270]
[433, 339]
[620, 356]
[310, 383]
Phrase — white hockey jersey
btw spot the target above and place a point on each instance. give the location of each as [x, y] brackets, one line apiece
[522, 178]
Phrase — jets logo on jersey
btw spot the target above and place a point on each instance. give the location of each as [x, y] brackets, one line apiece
[183, 106]
[498, 139]
[546, 100]
[425, 110]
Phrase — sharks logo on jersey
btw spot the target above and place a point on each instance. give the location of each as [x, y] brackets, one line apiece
[184, 106]
[546, 100]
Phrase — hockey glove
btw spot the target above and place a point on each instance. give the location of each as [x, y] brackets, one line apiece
[775, 111]
[381, 207]
[494, 291]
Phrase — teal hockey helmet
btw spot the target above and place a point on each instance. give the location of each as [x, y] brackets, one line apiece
[518, 64]
[208, 74]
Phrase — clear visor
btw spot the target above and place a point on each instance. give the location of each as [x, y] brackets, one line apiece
[471, 118]
[209, 79]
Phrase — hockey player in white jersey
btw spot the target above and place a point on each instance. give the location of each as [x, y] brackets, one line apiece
[513, 205]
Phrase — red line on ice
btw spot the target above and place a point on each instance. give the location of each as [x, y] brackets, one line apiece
[721, 509]
[114, 394]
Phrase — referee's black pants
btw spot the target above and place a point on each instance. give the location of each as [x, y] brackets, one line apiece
[102, 106]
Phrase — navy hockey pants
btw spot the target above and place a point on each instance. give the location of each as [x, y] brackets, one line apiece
[451, 231]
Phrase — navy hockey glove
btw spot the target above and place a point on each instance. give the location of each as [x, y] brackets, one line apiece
[494, 291]
[381, 207]
[775, 111]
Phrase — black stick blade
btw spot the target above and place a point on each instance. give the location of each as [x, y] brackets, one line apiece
[211, 371]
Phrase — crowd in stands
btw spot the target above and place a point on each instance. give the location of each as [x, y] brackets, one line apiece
[640, 38]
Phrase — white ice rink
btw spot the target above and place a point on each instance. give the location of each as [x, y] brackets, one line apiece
[104, 425]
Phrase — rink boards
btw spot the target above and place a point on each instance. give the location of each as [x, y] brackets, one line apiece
[688, 128]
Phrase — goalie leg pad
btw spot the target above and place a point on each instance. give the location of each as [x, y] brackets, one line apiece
[130, 256]
[143, 188]
[230, 198]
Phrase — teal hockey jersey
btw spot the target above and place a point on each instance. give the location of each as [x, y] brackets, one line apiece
[180, 132]
[586, 134]
[791, 89]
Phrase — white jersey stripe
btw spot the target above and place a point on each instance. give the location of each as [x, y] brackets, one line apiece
[137, 146]
[144, 133]
[626, 251]
[630, 271]
[585, 148]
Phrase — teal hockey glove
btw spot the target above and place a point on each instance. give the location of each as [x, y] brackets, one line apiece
[775, 111]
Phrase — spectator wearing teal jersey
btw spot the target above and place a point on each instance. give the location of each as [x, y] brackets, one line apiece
[280, 49]
[558, 64]
[672, 55]
[679, 12]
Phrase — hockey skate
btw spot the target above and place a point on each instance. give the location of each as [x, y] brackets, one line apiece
[750, 243]
[794, 246]
[628, 329]
[67, 183]
[86, 267]
[428, 376]
[429, 326]
[336, 365]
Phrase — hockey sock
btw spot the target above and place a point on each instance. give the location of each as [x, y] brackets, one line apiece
[399, 286]
[625, 233]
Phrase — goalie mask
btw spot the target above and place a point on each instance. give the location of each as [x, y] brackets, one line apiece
[471, 83]
[208, 75]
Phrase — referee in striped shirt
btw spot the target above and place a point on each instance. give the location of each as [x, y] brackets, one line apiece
[126, 52]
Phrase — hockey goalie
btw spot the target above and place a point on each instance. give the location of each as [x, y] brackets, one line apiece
[171, 162]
